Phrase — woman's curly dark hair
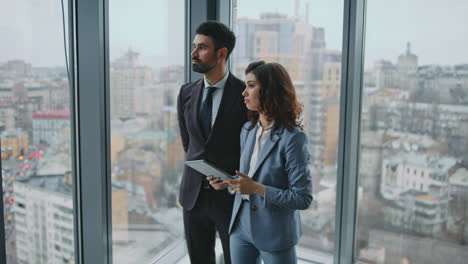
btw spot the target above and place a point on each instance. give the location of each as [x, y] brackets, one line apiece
[278, 99]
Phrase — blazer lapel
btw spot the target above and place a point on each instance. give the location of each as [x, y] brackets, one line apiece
[270, 143]
[247, 151]
[230, 95]
[197, 93]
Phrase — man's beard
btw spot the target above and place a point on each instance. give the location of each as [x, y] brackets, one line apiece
[202, 67]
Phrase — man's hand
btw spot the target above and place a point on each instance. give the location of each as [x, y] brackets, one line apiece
[245, 185]
[216, 183]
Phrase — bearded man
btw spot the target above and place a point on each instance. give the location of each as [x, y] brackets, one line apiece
[211, 112]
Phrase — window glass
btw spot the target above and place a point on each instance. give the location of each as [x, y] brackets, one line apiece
[413, 179]
[35, 133]
[146, 72]
[306, 38]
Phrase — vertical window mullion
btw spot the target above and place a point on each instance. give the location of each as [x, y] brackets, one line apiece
[91, 134]
[198, 13]
[2, 224]
[348, 153]
[224, 16]
[224, 12]
[74, 129]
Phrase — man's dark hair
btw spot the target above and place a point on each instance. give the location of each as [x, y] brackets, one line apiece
[222, 36]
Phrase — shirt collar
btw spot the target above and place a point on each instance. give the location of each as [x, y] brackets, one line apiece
[219, 84]
[268, 128]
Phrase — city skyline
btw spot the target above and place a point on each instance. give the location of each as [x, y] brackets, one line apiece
[412, 182]
[386, 32]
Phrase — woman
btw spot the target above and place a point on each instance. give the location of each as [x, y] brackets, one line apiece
[274, 179]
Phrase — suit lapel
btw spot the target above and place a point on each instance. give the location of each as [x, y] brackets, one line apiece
[270, 143]
[197, 93]
[229, 97]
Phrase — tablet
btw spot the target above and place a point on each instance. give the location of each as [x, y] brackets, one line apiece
[208, 169]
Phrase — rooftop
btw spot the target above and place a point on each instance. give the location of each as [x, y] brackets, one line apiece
[438, 164]
[51, 183]
[53, 114]
[460, 177]
[426, 106]
[427, 197]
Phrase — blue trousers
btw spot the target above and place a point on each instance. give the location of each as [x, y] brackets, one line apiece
[243, 250]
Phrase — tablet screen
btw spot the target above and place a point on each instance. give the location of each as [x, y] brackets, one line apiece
[208, 169]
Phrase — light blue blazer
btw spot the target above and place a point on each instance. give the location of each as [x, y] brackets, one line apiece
[283, 167]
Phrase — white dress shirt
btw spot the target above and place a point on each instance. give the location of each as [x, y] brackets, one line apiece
[260, 139]
[217, 95]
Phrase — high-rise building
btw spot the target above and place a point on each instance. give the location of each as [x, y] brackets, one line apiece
[301, 49]
[330, 94]
[44, 219]
[14, 143]
[127, 76]
[408, 62]
[275, 37]
[18, 67]
[415, 187]
[458, 224]
[48, 125]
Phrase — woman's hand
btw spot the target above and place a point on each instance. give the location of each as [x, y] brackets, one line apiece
[216, 183]
[245, 185]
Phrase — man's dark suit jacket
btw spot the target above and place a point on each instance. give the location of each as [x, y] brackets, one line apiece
[222, 147]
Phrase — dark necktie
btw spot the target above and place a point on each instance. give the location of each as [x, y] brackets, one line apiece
[206, 110]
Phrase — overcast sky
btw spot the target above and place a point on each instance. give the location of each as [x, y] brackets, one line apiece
[31, 29]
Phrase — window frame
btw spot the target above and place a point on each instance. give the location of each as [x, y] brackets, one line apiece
[352, 74]
[88, 30]
[352, 70]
